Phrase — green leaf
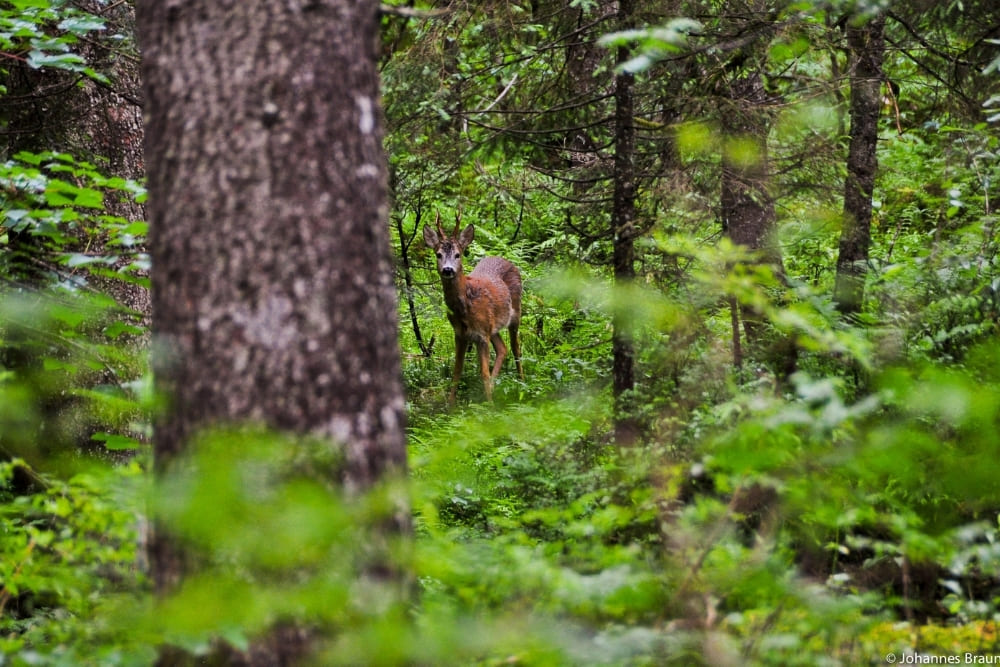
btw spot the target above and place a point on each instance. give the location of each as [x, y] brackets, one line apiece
[30, 4]
[638, 64]
[63, 194]
[15, 215]
[81, 24]
[57, 198]
[39, 59]
[116, 329]
[50, 364]
[116, 442]
[29, 158]
[89, 198]
[76, 259]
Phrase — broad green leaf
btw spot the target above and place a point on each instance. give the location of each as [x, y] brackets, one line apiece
[116, 442]
[71, 61]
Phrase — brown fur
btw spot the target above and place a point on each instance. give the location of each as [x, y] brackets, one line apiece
[480, 304]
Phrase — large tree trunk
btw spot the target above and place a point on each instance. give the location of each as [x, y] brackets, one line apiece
[273, 295]
[867, 47]
[623, 233]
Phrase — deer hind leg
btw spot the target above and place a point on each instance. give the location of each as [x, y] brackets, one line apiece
[501, 351]
[515, 345]
[514, 326]
[461, 345]
[484, 367]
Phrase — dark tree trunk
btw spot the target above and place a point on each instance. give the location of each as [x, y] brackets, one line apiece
[746, 202]
[273, 294]
[867, 47]
[623, 234]
[748, 216]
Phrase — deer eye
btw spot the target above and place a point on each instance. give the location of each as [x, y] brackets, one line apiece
[440, 254]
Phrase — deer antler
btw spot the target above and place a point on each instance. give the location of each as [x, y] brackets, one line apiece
[458, 221]
[438, 223]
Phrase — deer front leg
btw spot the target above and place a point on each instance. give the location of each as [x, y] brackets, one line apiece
[461, 344]
[501, 353]
[484, 367]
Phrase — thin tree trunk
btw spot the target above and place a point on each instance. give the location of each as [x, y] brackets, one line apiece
[867, 47]
[734, 318]
[404, 255]
[748, 215]
[747, 206]
[623, 230]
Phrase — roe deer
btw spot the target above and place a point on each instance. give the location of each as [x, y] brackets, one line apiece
[479, 304]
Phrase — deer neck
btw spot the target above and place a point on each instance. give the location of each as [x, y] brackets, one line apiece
[454, 293]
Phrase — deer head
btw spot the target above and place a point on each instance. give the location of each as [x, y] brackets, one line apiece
[449, 249]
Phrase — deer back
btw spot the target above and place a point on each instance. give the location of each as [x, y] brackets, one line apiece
[493, 296]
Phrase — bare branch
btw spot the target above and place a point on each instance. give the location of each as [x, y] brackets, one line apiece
[410, 12]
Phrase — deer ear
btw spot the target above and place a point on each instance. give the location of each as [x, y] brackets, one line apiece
[465, 238]
[430, 237]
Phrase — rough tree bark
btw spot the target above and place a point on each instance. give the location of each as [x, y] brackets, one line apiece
[746, 206]
[746, 202]
[623, 232]
[273, 295]
[866, 43]
[111, 125]
[748, 216]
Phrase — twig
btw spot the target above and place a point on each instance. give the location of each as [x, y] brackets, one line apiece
[503, 93]
[410, 12]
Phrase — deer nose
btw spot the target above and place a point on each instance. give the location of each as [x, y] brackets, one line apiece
[448, 272]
